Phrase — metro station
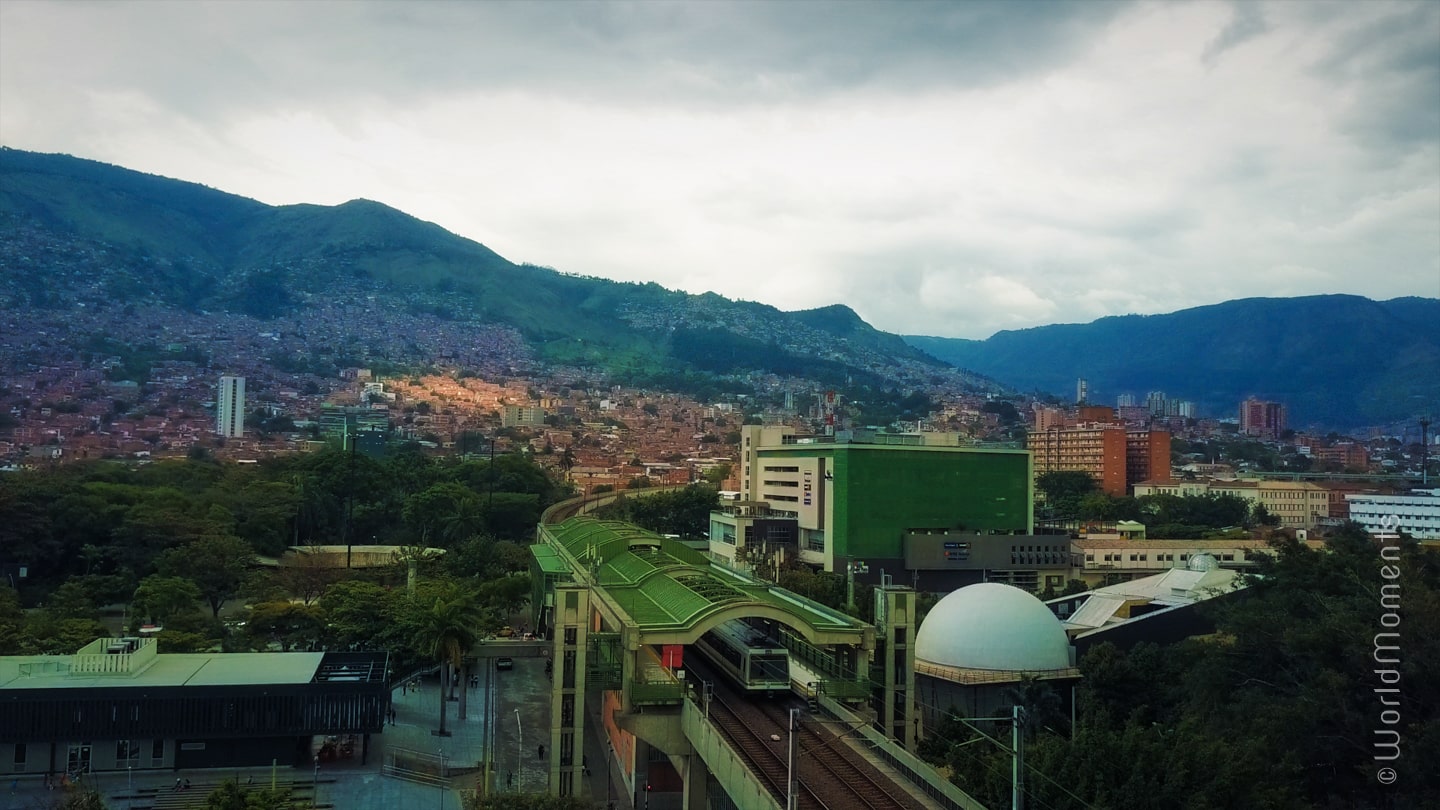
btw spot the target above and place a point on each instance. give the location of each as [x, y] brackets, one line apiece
[716, 689]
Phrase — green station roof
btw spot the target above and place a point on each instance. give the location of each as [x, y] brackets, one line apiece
[549, 559]
[664, 585]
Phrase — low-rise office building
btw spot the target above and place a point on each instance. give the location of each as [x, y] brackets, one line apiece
[1107, 561]
[118, 704]
[858, 499]
[1297, 504]
[1416, 513]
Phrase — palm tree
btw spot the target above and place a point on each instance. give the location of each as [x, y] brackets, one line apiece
[465, 522]
[447, 630]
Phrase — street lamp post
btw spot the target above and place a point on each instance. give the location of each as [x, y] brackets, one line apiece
[791, 794]
[444, 761]
[852, 568]
[519, 752]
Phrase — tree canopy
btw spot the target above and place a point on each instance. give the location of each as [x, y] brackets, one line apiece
[168, 536]
[684, 512]
[1278, 709]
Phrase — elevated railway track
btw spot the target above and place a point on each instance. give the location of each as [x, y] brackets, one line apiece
[831, 775]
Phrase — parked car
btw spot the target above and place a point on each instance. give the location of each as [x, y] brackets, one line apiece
[505, 662]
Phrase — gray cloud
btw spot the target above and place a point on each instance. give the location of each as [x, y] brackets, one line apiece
[1247, 23]
[213, 56]
[951, 168]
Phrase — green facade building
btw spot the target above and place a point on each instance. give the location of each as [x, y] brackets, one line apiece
[864, 500]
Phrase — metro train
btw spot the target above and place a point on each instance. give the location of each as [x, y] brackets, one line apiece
[753, 661]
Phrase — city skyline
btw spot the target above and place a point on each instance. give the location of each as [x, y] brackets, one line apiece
[947, 169]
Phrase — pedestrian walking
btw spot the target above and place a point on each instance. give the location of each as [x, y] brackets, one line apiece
[540, 752]
[177, 783]
[509, 779]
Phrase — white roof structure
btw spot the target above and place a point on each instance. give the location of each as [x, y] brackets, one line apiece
[1175, 588]
[170, 669]
[990, 626]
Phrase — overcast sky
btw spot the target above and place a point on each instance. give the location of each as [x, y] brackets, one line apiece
[943, 168]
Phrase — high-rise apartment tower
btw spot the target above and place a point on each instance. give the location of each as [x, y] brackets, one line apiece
[230, 407]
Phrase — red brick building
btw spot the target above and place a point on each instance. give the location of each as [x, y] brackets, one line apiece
[1116, 457]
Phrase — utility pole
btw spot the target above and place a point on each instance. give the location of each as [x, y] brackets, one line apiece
[350, 489]
[1017, 754]
[1424, 451]
[490, 499]
[1017, 760]
[792, 777]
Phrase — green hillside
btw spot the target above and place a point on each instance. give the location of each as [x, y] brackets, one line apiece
[1335, 360]
[188, 246]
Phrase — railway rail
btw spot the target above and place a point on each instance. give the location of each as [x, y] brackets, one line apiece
[840, 762]
[831, 775]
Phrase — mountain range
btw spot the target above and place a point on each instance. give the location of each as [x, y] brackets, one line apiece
[191, 247]
[1334, 360]
[128, 238]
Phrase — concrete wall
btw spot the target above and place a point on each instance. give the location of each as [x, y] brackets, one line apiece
[725, 766]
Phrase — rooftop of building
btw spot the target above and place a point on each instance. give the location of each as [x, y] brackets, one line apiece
[1176, 588]
[1231, 483]
[135, 663]
[354, 556]
[1167, 545]
[1414, 493]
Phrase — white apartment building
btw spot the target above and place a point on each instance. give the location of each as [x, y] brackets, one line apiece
[230, 407]
[1416, 514]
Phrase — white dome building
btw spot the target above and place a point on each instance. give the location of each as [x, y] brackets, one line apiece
[980, 641]
[993, 627]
